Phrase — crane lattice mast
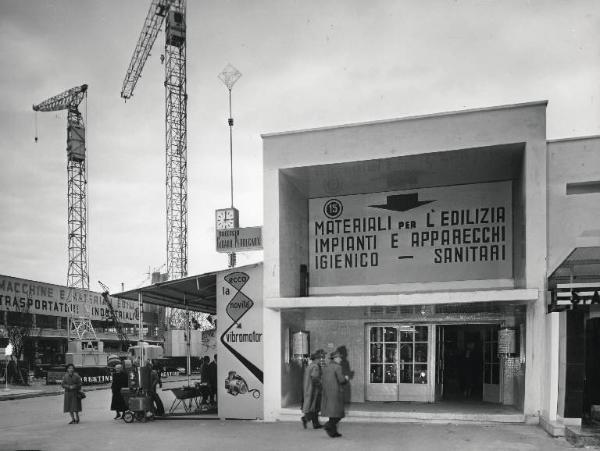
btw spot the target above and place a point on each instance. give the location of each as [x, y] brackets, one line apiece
[77, 272]
[173, 12]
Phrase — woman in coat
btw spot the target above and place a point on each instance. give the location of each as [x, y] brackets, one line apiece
[119, 381]
[312, 391]
[333, 394]
[72, 384]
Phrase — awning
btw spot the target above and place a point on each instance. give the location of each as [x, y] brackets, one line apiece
[582, 263]
[196, 293]
[575, 283]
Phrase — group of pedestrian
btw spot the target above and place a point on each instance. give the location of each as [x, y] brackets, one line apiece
[73, 393]
[323, 388]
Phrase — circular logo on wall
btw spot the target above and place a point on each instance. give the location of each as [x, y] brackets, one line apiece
[333, 208]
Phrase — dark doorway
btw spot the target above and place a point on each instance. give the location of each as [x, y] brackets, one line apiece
[464, 362]
[591, 395]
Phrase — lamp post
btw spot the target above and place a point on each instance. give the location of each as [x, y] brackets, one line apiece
[229, 76]
[8, 351]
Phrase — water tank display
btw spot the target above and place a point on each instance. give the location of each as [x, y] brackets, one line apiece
[507, 341]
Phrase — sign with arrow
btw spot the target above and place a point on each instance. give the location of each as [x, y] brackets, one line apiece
[441, 234]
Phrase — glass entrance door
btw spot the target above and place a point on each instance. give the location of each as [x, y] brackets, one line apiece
[491, 365]
[398, 363]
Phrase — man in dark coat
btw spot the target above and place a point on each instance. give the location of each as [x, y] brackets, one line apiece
[333, 394]
[119, 381]
[212, 380]
[312, 387]
[155, 379]
[204, 378]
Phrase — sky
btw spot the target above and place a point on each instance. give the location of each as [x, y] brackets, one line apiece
[304, 64]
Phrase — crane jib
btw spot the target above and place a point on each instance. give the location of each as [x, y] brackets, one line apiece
[71, 98]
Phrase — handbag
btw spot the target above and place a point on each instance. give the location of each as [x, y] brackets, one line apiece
[80, 395]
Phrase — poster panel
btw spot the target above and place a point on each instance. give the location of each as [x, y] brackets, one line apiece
[22, 295]
[441, 234]
[240, 342]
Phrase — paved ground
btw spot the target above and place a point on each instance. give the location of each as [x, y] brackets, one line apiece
[38, 423]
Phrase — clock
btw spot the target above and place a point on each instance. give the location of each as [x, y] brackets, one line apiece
[226, 218]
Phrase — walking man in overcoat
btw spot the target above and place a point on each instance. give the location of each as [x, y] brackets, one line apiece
[312, 388]
[333, 394]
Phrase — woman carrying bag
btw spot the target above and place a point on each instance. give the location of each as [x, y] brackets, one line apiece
[72, 384]
[119, 381]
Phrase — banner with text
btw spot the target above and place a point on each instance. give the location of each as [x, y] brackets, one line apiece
[442, 234]
[240, 345]
[239, 239]
[22, 295]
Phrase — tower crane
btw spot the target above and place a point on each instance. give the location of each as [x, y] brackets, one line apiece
[173, 13]
[77, 272]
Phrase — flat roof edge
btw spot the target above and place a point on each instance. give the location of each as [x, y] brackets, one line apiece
[408, 118]
[523, 295]
[574, 138]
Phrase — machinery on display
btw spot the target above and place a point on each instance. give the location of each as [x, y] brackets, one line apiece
[115, 319]
[237, 385]
[139, 377]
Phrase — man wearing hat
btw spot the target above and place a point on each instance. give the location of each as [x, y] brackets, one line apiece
[312, 390]
[333, 394]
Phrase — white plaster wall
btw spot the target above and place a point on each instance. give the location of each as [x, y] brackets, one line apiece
[272, 363]
[570, 161]
[293, 236]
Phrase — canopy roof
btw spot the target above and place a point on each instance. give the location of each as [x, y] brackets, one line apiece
[582, 263]
[196, 293]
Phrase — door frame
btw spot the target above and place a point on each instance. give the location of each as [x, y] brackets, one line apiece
[439, 368]
[403, 392]
[493, 389]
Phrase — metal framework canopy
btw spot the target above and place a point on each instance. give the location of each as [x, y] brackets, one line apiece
[582, 264]
[196, 293]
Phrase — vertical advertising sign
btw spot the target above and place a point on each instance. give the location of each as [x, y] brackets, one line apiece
[240, 342]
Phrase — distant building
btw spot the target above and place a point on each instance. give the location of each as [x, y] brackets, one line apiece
[43, 308]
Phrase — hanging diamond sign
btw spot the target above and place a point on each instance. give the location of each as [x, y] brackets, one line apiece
[229, 76]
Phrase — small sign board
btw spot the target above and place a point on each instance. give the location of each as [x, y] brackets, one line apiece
[239, 239]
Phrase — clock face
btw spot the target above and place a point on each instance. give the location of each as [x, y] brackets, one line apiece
[226, 218]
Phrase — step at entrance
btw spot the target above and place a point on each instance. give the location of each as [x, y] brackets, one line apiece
[426, 416]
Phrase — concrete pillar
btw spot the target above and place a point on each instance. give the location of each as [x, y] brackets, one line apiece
[535, 182]
[272, 363]
[552, 365]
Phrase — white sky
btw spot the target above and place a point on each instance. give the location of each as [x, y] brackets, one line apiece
[305, 63]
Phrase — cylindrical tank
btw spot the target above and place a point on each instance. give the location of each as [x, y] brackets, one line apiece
[507, 341]
[300, 345]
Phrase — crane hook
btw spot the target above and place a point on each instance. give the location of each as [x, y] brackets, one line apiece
[36, 126]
